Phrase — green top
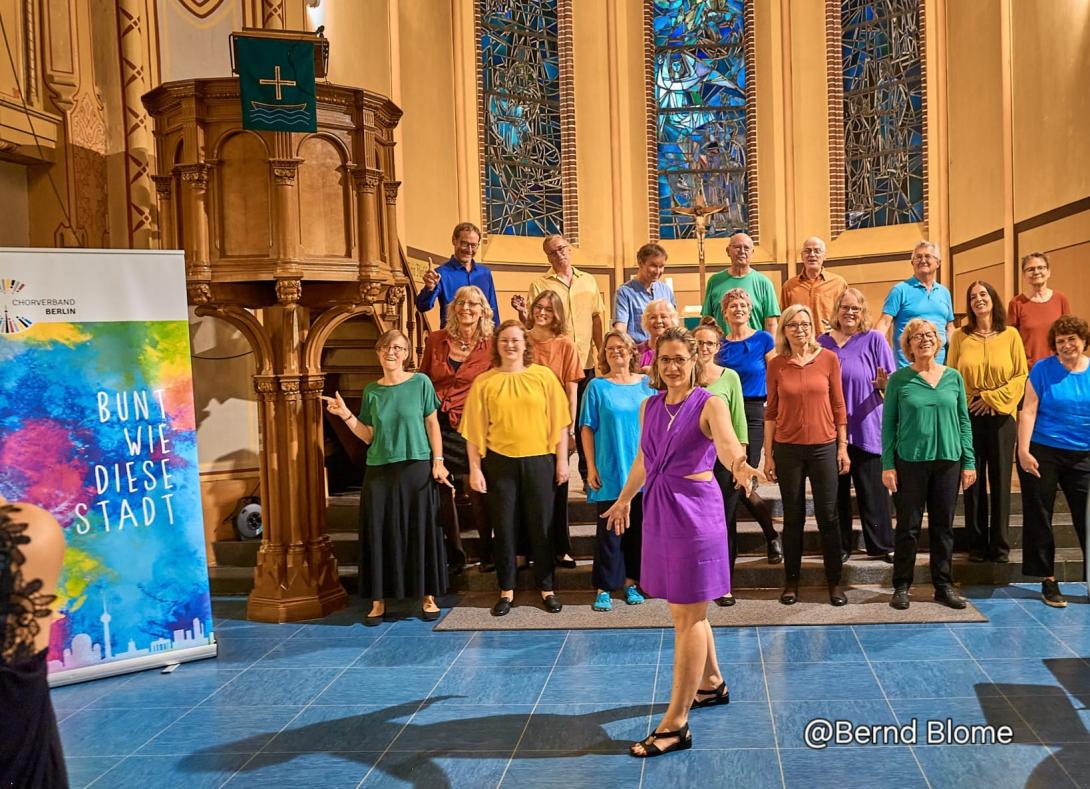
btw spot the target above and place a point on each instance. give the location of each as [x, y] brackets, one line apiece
[921, 423]
[757, 285]
[729, 387]
[397, 414]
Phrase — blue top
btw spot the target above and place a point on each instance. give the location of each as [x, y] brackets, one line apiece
[747, 358]
[860, 358]
[631, 300]
[453, 275]
[1063, 415]
[612, 412]
[910, 299]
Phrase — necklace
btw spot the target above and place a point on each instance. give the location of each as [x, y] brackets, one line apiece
[674, 415]
[463, 345]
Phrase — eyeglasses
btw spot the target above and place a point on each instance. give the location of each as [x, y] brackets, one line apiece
[924, 335]
[923, 258]
[707, 343]
[542, 308]
[559, 251]
[747, 250]
[846, 308]
[396, 349]
[673, 361]
[812, 251]
[464, 303]
[798, 326]
[1034, 269]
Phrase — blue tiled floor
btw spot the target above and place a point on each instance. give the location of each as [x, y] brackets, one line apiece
[335, 704]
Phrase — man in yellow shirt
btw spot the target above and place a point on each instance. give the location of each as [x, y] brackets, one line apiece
[584, 311]
[814, 287]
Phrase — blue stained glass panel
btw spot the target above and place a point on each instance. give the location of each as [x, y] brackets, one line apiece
[520, 77]
[883, 112]
[700, 102]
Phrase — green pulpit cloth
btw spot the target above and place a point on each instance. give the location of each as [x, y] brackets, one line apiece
[276, 82]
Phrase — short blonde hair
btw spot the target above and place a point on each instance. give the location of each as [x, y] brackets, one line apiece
[911, 328]
[864, 310]
[630, 346]
[484, 325]
[655, 304]
[783, 345]
[732, 295]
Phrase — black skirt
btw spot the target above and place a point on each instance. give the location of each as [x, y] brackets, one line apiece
[401, 545]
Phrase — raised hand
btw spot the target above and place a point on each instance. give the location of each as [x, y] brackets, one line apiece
[335, 405]
[431, 276]
[518, 301]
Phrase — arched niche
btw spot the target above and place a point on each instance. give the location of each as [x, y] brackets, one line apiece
[243, 226]
[325, 198]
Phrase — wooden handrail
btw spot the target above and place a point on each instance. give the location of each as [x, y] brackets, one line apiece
[416, 322]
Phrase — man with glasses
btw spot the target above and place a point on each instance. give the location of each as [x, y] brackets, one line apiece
[762, 293]
[584, 311]
[814, 287]
[919, 296]
[443, 282]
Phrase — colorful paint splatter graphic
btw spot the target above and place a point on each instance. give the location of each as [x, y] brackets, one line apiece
[97, 426]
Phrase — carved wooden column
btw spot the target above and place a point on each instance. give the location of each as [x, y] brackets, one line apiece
[367, 181]
[164, 187]
[389, 189]
[195, 220]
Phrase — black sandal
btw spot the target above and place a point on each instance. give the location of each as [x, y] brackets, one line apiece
[790, 594]
[719, 695]
[685, 741]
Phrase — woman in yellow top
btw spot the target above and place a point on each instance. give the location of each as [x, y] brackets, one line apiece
[515, 425]
[992, 359]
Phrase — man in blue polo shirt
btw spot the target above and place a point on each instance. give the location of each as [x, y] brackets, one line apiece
[919, 296]
[634, 296]
[461, 270]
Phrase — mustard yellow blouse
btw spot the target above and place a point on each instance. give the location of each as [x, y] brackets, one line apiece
[516, 414]
[993, 367]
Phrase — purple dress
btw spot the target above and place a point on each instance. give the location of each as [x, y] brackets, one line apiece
[685, 555]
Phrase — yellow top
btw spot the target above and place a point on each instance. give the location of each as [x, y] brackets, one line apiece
[993, 367]
[516, 414]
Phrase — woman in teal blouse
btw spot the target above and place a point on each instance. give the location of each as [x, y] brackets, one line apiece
[927, 452]
[402, 548]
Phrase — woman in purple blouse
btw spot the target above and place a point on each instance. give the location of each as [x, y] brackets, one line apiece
[865, 360]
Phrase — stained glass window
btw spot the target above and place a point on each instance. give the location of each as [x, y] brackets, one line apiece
[520, 109]
[699, 76]
[883, 112]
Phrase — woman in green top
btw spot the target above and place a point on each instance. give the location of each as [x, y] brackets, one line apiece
[402, 553]
[724, 382]
[927, 450]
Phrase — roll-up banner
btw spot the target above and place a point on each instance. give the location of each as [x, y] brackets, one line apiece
[97, 426]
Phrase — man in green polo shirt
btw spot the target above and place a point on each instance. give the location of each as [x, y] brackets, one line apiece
[766, 308]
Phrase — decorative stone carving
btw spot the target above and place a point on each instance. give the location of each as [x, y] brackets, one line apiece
[395, 296]
[199, 292]
[289, 291]
[390, 188]
[284, 171]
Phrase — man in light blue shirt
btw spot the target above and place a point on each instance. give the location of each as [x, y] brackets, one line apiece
[634, 296]
[919, 296]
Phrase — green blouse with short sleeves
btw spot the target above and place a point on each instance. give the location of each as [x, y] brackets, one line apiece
[397, 414]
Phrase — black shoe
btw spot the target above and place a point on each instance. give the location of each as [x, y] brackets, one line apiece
[775, 550]
[684, 742]
[887, 557]
[1050, 593]
[977, 557]
[836, 596]
[900, 599]
[949, 597]
[790, 594]
[1001, 558]
[725, 601]
[568, 563]
[374, 621]
[844, 556]
[712, 698]
[551, 603]
[429, 616]
[486, 567]
[502, 607]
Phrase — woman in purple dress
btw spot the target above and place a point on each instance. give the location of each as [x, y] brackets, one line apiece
[685, 555]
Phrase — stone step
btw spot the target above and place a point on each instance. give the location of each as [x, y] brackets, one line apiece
[751, 572]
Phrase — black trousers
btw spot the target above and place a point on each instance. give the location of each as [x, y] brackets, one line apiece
[454, 454]
[617, 558]
[521, 490]
[581, 388]
[993, 445]
[794, 463]
[731, 495]
[1070, 470]
[873, 498]
[755, 424]
[930, 484]
[561, 531]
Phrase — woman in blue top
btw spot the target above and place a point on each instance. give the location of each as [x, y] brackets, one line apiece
[747, 351]
[610, 429]
[1054, 448]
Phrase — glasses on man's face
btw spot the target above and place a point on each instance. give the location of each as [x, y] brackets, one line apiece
[673, 361]
[924, 258]
[1034, 269]
[559, 251]
[799, 326]
[811, 251]
[741, 250]
[924, 335]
